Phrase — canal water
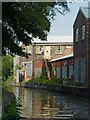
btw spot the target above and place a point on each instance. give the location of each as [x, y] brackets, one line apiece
[47, 104]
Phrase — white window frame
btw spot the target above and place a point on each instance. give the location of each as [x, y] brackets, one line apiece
[58, 49]
[83, 32]
[40, 51]
[24, 49]
[29, 49]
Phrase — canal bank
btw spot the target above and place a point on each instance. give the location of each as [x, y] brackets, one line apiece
[72, 90]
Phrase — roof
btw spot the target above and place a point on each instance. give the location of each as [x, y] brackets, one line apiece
[64, 40]
[85, 11]
[53, 39]
[61, 58]
[52, 42]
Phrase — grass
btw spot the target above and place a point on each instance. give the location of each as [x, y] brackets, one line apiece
[12, 107]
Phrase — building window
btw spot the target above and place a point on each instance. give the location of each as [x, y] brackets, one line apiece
[76, 35]
[29, 49]
[24, 66]
[39, 49]
[58, 49]
[83, 32]
[24, 49]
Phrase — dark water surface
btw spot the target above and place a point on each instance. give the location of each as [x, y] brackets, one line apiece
[47, 104]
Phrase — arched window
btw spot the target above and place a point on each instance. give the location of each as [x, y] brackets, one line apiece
[83, 32]
[76, 35]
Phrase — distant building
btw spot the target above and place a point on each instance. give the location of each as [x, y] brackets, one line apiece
[59, 55]
[63, 67]
[39, 53]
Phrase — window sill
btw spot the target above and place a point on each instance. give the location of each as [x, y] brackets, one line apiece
[39, 54]
[82, 39]
[58, 53]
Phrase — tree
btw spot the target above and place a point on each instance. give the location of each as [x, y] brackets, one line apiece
[7, 66]
[21, 19]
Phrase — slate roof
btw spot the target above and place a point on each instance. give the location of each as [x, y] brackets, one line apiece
[61, 58]
[85, 11]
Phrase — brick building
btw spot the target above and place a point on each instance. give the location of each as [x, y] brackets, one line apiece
[39, 53]
[63, 66]
[81, 33]
[78, 64]
[58, 53]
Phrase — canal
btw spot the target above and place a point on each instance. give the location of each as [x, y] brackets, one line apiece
[47, 104]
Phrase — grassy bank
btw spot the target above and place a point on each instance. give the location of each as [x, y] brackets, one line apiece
[10, 106]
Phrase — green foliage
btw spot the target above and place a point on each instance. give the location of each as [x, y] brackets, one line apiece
[12, 111]
[66, 78]
[44, 76]
[20, 19]
[5, 83]
[17, 67]
[55, 80]
[7, 67]
[43, 79]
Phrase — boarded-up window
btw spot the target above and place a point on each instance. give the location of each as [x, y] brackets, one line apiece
[29, 69]
[17, 76]
[82, 70]
[70, 70]
[58, 72]
[76, 71]
[37, 72]
[64, 71]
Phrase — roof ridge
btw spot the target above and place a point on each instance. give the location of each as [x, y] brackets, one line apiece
[85, 11]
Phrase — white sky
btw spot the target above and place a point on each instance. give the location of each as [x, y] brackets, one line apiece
[63, 25]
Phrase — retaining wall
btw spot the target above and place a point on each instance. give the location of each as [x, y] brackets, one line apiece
[74, 90]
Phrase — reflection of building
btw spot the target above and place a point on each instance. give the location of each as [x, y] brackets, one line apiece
[39, 53]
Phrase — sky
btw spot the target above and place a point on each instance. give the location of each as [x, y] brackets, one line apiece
[63, 25]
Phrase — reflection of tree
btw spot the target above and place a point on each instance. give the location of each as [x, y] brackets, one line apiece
[61, 106]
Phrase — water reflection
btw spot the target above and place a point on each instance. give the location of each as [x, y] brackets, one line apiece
[46, 104]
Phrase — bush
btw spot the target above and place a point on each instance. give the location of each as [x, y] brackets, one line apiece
[55, 80]
[12, 111]
[7, 67]
[5, 83]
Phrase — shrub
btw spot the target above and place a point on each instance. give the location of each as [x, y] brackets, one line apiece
[12, 111]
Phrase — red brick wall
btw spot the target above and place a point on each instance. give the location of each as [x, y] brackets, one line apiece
[38, 64]
[56, 64]
[81, 48]
[65, 51]
[64, 62]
